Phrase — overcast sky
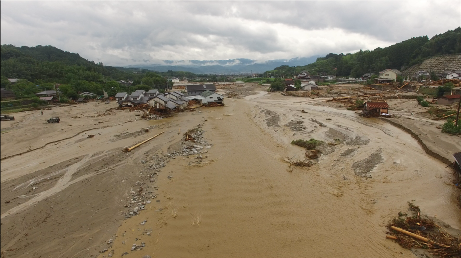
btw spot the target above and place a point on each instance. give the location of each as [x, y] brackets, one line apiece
[133, 32]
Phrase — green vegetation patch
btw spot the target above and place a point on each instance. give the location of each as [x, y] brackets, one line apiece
[428, 91]
[451, 128]
[422, 102]
[440, 113]
[311, 144]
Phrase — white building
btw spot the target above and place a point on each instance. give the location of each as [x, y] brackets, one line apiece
[452, 76]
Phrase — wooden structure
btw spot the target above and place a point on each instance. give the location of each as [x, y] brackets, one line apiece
[375, 109]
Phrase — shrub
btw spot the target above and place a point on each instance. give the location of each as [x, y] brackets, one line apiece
[442, 90]
[424, 103]
[277, 85]
[451, 128]
[309, 145]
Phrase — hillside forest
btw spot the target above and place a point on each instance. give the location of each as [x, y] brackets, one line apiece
[399, 56]
[42, 67]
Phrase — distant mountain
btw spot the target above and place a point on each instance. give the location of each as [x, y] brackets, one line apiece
[230, 66]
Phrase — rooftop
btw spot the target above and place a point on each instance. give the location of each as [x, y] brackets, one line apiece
[377, 105]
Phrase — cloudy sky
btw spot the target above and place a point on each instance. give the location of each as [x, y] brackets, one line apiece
[133, 32]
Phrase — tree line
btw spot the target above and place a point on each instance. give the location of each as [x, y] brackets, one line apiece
[399, 56]
[42, 67]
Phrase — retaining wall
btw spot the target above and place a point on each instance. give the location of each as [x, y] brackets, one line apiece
[418, 139]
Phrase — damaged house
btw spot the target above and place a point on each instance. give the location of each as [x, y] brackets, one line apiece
[162, 102]
[211, 97]
[375, 109]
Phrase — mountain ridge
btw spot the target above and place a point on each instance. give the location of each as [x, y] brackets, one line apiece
[229, 66]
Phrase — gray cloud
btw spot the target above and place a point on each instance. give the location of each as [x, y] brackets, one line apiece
[122, 33]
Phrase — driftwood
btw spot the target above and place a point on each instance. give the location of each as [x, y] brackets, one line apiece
[139, 144]
[408, 233]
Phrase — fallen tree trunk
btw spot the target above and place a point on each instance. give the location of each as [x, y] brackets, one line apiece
[408, 233]
[139, 144]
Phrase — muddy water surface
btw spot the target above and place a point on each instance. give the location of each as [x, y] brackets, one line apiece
[245, 201]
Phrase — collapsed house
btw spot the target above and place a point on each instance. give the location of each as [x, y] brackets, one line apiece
[211, 97]
[375, 109]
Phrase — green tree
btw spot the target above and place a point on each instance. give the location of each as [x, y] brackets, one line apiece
[23, 89]
[442, 90]
[277, 85]
[112, 88]
[5, 82]
[298, 84]
[434, 76]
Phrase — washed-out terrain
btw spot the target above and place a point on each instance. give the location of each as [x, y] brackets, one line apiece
[218, 182]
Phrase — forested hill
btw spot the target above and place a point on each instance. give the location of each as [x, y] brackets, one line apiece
[398, 56]
[50, 64]
[41, 67]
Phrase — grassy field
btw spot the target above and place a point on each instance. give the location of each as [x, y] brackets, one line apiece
[13, 106]
[258, 80]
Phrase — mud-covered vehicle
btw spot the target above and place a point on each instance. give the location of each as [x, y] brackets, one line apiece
[53, 120]
[6, 117]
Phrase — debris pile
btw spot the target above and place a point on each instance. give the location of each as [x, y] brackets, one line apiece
[148, 112]
[416, 231]
[192, 143]
[350, 102]
[456, 82]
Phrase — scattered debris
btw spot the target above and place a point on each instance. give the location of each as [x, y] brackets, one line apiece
[141, 194]
[54, 120]
[416, 231]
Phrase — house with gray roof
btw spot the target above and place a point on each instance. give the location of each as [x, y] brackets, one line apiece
[198, 89]
[46, 93]
[121, 96]
[180, 103]
[171, 105]
[137, 95]
[159, 101]
[151, 93]
[174, 95]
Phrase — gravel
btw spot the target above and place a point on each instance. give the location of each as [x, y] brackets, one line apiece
[364, 167]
